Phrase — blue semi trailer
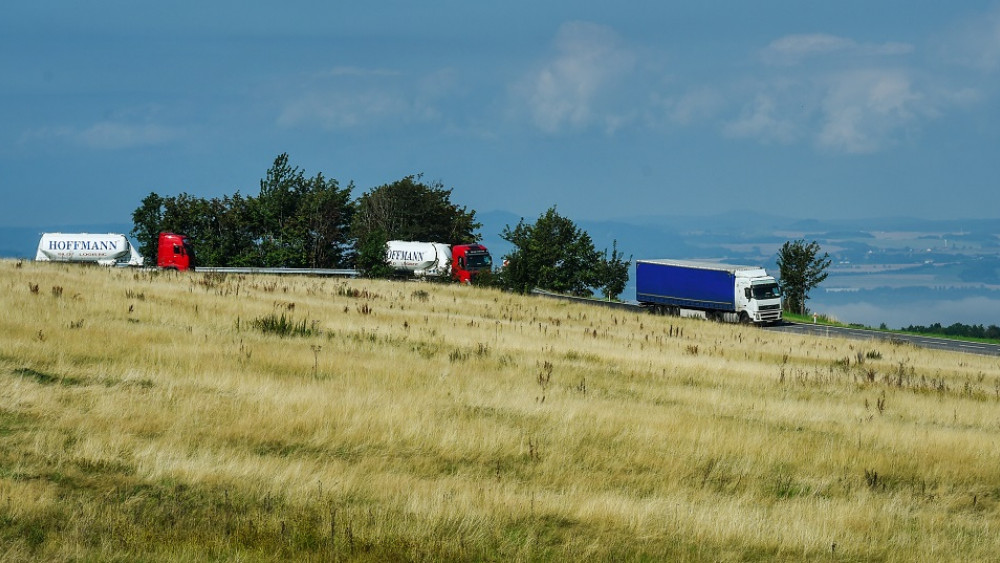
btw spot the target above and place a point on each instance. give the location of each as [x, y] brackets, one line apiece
[723, 291]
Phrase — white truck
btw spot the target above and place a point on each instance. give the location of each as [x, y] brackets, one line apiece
[462, 262]
[110, 249]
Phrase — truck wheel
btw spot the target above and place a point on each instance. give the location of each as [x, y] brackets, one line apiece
[744, 318]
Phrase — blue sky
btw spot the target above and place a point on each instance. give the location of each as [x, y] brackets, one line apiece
[803, 109]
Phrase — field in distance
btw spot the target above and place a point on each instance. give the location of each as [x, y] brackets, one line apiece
[160, 416]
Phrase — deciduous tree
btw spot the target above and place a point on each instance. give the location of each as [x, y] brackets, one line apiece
[613, 275]
[147, 223]
[301, 222]
[551, 253]
[802, 269]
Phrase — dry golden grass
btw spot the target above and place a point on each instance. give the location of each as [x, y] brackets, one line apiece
[148, 415]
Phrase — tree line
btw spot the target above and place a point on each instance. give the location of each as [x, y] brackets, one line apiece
[958, 329]
[298, 221]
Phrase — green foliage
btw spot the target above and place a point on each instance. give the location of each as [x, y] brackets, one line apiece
[960, 330]
[554, 254]
[294, 222]
[487, 278]
[301, 222]
[147, 220]
[409, 209]
[613, 272]
[371, 256]
[801, 271]
[281, 326]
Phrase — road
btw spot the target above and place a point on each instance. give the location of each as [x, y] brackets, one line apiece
[832, 331]
[915, 339]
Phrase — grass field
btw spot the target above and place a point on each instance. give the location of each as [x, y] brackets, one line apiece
[160, 416]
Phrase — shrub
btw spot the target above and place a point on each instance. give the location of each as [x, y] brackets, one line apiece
[282, 326]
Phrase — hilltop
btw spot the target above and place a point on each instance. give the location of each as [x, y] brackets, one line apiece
[164, 416]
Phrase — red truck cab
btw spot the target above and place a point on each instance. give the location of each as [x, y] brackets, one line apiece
[468, 260]
[174, 252]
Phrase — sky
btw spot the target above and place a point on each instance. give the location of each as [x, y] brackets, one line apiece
[825, 110]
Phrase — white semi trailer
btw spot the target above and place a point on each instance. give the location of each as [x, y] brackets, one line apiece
[462, 262]
[108, 249]
[422, 259]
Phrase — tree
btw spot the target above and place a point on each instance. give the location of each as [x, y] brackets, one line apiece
[147, 222]
[408, 209]
[371, 256]
[613, 272]
[551, 254]
[801, 271]
[299, 221]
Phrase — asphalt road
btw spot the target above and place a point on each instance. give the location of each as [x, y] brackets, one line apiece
[833, 331]
[915, 339]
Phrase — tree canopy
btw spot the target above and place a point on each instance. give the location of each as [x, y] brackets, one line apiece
[802, 269]
[409, 209]
[300, 220]
[295, 221]
[553, 253]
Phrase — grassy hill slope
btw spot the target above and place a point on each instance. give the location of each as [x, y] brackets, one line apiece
[163, 416]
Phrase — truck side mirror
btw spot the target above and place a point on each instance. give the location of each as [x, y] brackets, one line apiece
[746, 291]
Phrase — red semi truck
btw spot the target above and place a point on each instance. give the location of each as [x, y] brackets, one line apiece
[174, 252]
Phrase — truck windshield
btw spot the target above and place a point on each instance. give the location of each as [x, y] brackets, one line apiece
[479, 261]
[766, 291]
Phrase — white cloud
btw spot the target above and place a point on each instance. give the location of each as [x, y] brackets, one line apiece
[331, 109]
[351, 97]
[793, 49]
[865, 111]
[589, 64]
[698, 104]
[974, 42]
[761, 119]
[107, 135]
[849, 111]
[110, 135]
[851, 97]
[357, 71]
